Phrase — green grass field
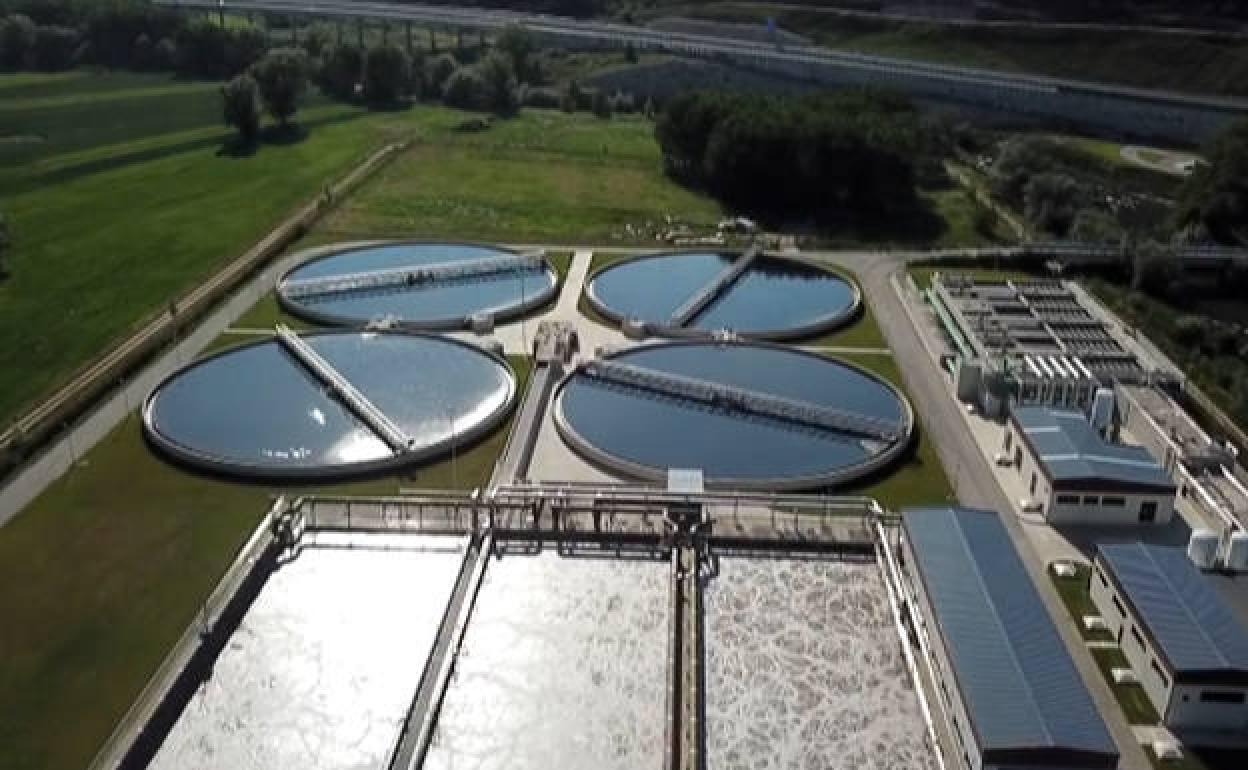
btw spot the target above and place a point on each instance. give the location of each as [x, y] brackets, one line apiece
[1074, 593]
[128, 203]
[544, 177]
[102, 573]
[1134, 701]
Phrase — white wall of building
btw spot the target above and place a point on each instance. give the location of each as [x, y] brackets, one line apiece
[1082, 507]
[1180, 705]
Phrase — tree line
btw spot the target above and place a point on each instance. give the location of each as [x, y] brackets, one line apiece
[810, 157]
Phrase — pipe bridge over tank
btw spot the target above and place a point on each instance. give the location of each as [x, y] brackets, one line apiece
[408, 275]
[714, 288]
[743, 399]
[369, 414]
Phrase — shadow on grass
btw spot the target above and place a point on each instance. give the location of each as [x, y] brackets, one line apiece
[227, 144]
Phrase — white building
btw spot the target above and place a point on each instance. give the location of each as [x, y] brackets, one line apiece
[1076, 476]
[1184, 643]
[1008, 692]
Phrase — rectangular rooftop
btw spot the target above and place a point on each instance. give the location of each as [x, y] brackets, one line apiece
[1024, 698]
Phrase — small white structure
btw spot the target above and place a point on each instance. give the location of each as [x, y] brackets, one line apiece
[1187, 647]
[1075, 476]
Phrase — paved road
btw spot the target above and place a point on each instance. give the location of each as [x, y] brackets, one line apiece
[607, 33]
[972, 478]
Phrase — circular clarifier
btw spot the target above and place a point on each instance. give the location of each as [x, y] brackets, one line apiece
[419, 285]
[690, 293]
[748, 415]
[328, 404]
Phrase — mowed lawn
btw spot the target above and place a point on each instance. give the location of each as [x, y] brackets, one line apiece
[126, 203]
[542, 177]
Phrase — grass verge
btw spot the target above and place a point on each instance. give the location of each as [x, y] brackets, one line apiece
[1134, 701]
[1074, 593]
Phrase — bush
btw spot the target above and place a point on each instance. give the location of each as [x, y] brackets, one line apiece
[601, 105]
[341, 70]
[439, 72]
[541, 98]
[54, 48]
[499, 82]
[387, 74]
[317, 40]
[241, 107]
[208, 50]
[464, 89]
[17, 41]
[282, 76]
[572, 97]
[622, 103]
[1050, 202]
[517, 44]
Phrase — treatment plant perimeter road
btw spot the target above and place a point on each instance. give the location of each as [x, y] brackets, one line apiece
[972, 479]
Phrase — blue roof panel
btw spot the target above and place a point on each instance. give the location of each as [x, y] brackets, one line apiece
[1184, 613]
[1021, 688]
[1070, 448]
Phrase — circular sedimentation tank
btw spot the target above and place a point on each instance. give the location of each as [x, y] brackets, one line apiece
[420, 285]
[328, 404]
[757, 296]
[749, 415]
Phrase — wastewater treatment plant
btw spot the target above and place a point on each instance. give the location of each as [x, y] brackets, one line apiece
[658, 570]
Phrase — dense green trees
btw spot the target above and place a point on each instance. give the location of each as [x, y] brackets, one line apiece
[241, 102]
[820, 157]
[499, 84]
[340, 71]
[387, 75]
[1216, 195]
[17, 41]
[1050, 202]
[282, 76]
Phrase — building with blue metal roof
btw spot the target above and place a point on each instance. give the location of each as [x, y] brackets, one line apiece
[1185, 643]
[1074, 475]
[1009, 691]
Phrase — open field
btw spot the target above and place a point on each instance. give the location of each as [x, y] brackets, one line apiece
[541, 177]
[102, 573]
[105, 234]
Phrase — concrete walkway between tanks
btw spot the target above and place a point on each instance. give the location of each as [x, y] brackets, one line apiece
[972, 478]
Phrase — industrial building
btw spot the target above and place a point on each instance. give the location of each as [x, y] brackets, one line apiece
[1204, 470]
[1008, 690]
[1184, 643]
[1076, 476]
[1028, 342]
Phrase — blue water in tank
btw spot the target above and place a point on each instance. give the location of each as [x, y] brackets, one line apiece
[258, 407]
[452, 298]
[663, 432]
[773, 295]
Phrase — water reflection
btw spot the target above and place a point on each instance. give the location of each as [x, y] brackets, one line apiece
[563, 667]
[321, 671]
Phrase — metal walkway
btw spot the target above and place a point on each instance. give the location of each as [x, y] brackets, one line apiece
[408, 275]
[743, 399]
[373, 417]
[714, 288]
